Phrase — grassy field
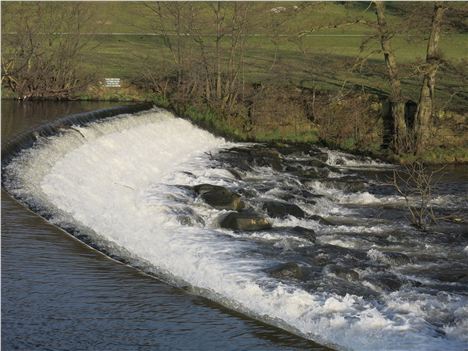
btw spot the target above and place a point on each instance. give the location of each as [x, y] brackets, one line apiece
[121, 46]
[324, 63]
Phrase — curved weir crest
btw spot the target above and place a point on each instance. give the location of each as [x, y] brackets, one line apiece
[124, 183]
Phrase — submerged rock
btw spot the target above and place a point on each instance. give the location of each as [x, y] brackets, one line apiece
[319, 219]
[397, 258]
[287, 270]
[246, 220]
[346, 184]
[385, 281]
[235, 173]
[245, 158]
[305, 233]
[299, 232]
[455, 275]
[277, 209]
[219, 197]
[190, 220]
[341, 272]
[390, 257]
[267, 158]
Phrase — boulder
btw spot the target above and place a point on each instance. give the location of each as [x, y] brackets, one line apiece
[277, 209]
[219, 197]
[246, 221]
[289, 270]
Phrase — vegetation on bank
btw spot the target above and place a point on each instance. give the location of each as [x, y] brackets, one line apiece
[301, 72]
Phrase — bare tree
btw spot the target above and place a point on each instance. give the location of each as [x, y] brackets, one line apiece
[397, 104]
[42, 50]
[416, 184]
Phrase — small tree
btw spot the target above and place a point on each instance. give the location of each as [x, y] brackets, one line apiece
[416, 183]
[42, 49]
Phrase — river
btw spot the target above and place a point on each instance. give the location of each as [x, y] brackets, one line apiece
[344, 268]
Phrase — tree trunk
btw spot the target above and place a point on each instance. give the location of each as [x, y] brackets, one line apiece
[397, 106]
[423, 119]
[218, 54]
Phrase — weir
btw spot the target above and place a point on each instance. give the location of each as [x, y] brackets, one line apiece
[337, 271]
[27, 139]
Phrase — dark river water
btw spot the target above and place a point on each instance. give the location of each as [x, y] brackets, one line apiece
[317, 243]
[58, 294]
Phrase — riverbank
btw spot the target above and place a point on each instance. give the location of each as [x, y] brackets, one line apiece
[352, 123]
[287, 114]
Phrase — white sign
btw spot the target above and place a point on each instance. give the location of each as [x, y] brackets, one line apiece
[112, 82]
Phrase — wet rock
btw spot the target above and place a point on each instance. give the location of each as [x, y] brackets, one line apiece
[314, 162]
[290, 270]
[187, 216]
[277, 209]
[311, 174]
[308, 196]
[286, 196]
[305, 233]
[237, 157]
[246, 220]
[300, 232]
[342, 288]
[344, 184]
[454, 275]
[389, 258]
[396, 258]
[341, 272]
[244, 158]
[319, 155]
[249, 193]
[219, 197]
[319, 219]
[267, 158]
[236, 174]
[385, 281]
[190, 220]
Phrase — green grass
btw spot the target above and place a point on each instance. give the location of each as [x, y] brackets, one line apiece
[325, 64]
[439, 156]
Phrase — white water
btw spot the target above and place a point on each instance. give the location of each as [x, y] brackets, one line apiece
[117, 185]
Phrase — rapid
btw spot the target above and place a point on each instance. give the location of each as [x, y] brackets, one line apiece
[362, 277]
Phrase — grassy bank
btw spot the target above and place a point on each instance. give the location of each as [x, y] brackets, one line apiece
[454, 152]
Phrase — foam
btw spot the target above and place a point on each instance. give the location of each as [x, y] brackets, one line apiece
[118, 184]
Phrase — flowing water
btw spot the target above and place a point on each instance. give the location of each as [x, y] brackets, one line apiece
[346, 270]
